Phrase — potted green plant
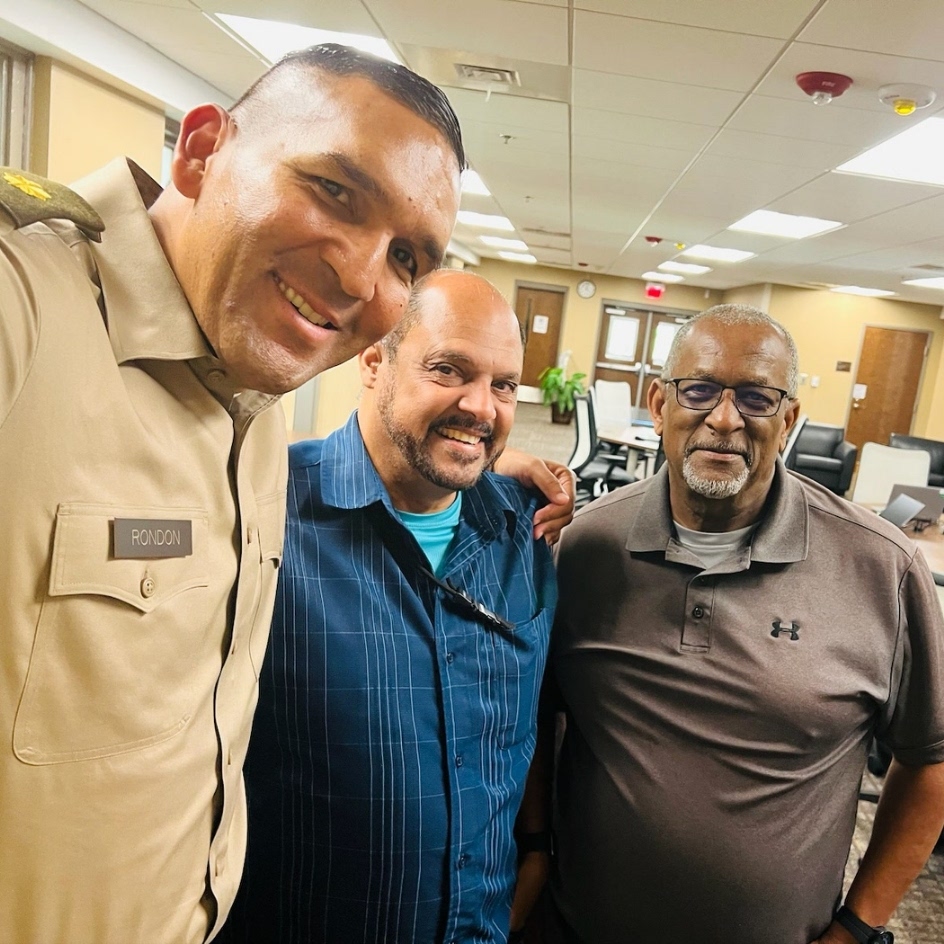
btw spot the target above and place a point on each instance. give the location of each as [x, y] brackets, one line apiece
[559, 391]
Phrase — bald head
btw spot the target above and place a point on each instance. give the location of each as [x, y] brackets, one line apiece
[440, 390]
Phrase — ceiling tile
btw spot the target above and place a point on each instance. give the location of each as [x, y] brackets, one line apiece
[848, 198]
[527, 30]
[473, 105]
[804, 121]
[913, 29]
[774, 149]
[633, 95]
[670, 53]
[636, 129]
[780, 19]
[629, 156]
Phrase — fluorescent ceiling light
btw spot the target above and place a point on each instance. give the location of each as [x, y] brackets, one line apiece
[485, 221]
[518, 257]
[686, 268]
[787, 225]
[913, 156]
[662, 277]
[859, 290]
[717, 254]
[273, 40]
[500, 242]
[472, 183]
[925, 283]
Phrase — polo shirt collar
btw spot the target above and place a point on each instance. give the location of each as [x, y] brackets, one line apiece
[148, 314]
[350, 480]
[782, 536]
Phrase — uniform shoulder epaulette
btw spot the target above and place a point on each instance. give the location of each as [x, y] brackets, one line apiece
[28, 198]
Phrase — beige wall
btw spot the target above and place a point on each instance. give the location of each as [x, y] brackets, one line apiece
[80, 124]
[829, 327]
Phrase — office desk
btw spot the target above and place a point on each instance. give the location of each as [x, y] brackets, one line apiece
[641, 442]
[931, 542]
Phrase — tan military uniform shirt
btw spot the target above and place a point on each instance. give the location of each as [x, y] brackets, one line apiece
[127, 685]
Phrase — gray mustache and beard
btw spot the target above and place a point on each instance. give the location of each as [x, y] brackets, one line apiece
[723, 486]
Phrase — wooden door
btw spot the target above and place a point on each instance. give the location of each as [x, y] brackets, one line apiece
[887, 380]
[540, 312]
[621, 347]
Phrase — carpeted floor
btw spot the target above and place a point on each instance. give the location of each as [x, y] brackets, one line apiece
[920, 917]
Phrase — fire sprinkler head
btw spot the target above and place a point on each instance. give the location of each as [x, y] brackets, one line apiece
[823, 87]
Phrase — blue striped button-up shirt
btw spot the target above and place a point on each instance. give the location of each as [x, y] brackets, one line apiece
[395, 728]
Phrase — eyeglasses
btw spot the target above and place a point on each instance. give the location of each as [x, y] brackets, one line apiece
[750, 399]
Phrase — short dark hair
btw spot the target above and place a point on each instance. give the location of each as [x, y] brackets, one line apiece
[409, 89]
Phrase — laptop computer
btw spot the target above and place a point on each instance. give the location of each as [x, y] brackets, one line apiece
[901, 510]
[930, 497]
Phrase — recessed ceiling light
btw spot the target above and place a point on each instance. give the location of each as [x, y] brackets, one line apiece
[770, 223]
[500, 242]
[913, 156]
[925, 283]
[518, 257]
[662, 277]
[859, 290]
[485, 220]
[686, 268]
[472, 183]
[717, 254]
[273, 40]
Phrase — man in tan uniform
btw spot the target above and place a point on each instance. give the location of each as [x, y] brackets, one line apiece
[142, 461]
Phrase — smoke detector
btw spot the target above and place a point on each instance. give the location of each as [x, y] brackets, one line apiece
[823, 87]
[906, 98]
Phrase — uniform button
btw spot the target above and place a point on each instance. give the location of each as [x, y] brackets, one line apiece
[216, 375]
[148, 587]
[458, 760]
[450, 657]
[698, 612]
[462, 861]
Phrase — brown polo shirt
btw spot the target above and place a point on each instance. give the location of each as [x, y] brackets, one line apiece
[718, 720]
[127, 684]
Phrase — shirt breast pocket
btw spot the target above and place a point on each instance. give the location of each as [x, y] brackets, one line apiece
[520, 671]
[119, 642]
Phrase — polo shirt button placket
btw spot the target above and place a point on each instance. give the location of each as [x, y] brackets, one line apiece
[698, 612]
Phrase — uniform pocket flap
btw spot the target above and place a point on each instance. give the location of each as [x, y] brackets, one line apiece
[83, 557]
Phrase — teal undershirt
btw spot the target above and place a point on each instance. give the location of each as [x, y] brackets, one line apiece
[434, 532]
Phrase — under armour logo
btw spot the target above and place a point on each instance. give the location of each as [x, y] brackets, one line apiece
[780, 627]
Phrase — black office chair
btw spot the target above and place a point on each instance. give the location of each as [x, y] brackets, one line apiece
[823, 455]
[597, 471]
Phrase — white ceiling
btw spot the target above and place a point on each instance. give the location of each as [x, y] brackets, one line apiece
[637, 118]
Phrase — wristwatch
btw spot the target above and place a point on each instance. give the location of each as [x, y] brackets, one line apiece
[862, 932]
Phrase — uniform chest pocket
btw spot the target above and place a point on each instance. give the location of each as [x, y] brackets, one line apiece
[120, 644]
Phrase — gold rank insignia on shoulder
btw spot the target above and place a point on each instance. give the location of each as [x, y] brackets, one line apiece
[28, 198]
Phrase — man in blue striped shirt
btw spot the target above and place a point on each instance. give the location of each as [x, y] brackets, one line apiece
[396, 722]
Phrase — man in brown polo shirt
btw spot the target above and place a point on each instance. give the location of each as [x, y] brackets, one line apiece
[730, 637]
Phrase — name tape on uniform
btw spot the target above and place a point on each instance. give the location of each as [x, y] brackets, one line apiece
[137, 538]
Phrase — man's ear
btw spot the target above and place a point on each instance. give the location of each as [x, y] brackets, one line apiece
[655, 399]
[202, 132]
[368, 363]
[790, 415]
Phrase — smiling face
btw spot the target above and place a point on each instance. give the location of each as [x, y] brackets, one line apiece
[721, 463]
[437, 414]
[310, 217]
